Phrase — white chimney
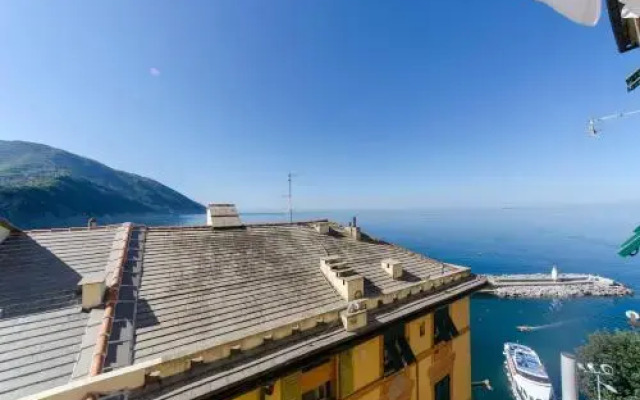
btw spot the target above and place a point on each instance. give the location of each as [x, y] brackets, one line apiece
[92, 223]
[344, 279]
[222, 216]
[353, 230]
[392, 267]
[93, 287]
[321, 227]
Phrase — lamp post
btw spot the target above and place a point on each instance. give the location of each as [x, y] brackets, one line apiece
[605, 369]
[634, 318]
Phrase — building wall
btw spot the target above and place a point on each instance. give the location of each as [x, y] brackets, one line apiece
[357, 373]
[459, 311]
[419, 333]
[252, 395]
[367, 362]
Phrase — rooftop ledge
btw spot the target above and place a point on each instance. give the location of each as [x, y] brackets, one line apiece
[177, 362]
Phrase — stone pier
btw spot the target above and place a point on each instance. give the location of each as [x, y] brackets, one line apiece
[544, 286]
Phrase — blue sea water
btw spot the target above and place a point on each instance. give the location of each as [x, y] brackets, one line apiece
[576, 239]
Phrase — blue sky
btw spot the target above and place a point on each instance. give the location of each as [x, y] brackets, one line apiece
[373, 104]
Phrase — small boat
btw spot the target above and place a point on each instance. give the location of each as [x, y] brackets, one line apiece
[527, 375]
[524, 328]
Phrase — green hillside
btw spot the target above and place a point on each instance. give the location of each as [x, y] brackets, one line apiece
[38, 180]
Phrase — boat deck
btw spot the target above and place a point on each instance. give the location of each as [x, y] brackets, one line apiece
[526, 361]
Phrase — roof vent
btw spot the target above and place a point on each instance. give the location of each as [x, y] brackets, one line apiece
[222, 216]
[392, 267]
[93, 288]
[344, 279]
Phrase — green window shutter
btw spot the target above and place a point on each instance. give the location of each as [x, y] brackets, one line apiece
[443, 327]
[346, 373]
[397, 352]
[291, 387]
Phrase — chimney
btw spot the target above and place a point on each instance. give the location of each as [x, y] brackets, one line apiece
[92, 223]
[392, 267]
[344, 279]
[5, 229]
[93, 287]
[223, 216]
[353, 230]
[321, 227]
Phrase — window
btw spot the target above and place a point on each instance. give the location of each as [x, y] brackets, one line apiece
[266, 392]
[443, 327]
[397, 352]
[291, 387]
[443, 389]
[322, 392]
[422, 328]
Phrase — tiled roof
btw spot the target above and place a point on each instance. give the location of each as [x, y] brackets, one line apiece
[205, 285]
[279, 357]
[200, 284]
[42, 324]
[187, 290]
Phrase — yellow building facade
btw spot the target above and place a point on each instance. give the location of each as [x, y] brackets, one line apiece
[427, 357]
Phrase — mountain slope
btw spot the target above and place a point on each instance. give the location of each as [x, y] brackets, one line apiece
[38, 180]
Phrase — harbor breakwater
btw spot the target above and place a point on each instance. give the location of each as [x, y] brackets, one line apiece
[544, 286]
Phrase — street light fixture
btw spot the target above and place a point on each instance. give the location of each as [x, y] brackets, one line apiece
[605, 369]
[634, 318]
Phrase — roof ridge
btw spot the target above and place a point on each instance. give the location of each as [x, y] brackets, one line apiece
[77, 228]
[245, 225]
[90, 359]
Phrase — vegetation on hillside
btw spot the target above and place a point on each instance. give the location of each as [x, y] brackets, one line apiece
[38, 180]
[619, 349]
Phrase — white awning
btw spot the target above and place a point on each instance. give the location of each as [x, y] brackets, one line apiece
[631, 8]
[584, 12]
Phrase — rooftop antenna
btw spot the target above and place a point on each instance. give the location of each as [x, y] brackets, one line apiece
[593, 129]
[289, 176]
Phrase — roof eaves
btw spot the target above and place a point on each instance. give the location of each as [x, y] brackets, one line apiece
[135, 376]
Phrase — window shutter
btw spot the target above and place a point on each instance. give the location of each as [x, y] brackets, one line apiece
[346, 373]
[290, 387]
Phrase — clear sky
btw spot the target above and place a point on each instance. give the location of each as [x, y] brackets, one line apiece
[373, 104]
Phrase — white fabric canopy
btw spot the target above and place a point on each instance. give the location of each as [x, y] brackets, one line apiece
[584, 12]
[631, 8]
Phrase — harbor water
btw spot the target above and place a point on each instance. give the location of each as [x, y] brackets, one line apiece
[581, 239]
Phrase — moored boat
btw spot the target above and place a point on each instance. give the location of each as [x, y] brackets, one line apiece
[526, 373]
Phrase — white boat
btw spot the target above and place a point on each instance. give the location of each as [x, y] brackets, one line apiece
[527, 376]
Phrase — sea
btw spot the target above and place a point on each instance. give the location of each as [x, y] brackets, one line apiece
[580, 239]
